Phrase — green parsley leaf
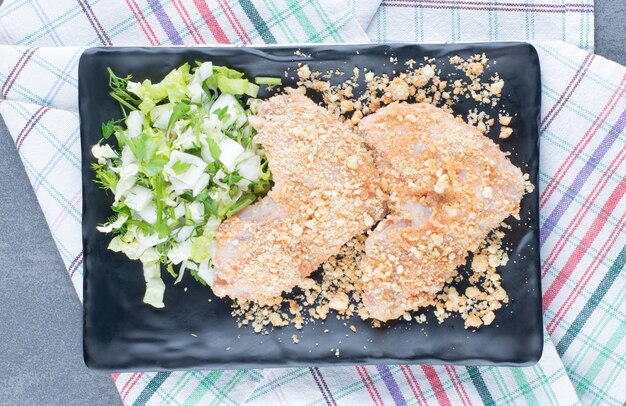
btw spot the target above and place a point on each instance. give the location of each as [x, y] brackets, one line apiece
[142, 225]
[108, 129]
[197, 277]
[211, 207]
[243, 202]
[214, 149]
[170, 269]
[202, 196]
[155, 166]
[180, 109]
[105, 178]
[234, 178]
[143, 147]
[221, 113]
[180, 167]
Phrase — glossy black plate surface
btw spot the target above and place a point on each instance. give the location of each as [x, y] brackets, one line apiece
[121, 333]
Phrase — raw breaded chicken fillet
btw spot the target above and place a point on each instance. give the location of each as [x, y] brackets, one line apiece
[448, 187]
[326, 190]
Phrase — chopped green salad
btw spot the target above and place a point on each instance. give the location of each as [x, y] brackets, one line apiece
[183, 161]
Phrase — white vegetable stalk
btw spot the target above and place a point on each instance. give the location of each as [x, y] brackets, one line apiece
[138, 197]
[179, 252]
[250, 169]
[206, 272]
[121, 219]
[134, 123]
[102, 153]
[155, 288]
[230, 151]
[160, 115]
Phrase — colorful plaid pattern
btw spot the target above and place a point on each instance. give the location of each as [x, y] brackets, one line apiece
[484, 20]
[582, 180]
[176, 22]
[543, 384]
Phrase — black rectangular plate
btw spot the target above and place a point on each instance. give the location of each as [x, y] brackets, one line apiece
[121, 333]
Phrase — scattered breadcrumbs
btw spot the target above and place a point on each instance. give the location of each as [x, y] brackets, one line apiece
[300, 53]
[337, 289]
[484, 294]
[420, 83]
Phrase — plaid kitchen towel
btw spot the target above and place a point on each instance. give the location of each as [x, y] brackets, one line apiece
[582, 179]
[176, 22]
[544, 384]
[484, 20]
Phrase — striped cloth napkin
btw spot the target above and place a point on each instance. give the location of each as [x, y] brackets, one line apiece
[582, 179]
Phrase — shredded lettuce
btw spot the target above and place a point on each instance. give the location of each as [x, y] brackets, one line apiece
[180, 161]
[236, 86]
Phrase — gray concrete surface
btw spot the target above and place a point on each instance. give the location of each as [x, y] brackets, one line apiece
[40, 316]
[610, 21]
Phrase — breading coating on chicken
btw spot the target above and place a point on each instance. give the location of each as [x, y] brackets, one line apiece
[326, 190]
[448, 187]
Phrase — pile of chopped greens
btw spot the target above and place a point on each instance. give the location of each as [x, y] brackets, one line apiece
[183, 161]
